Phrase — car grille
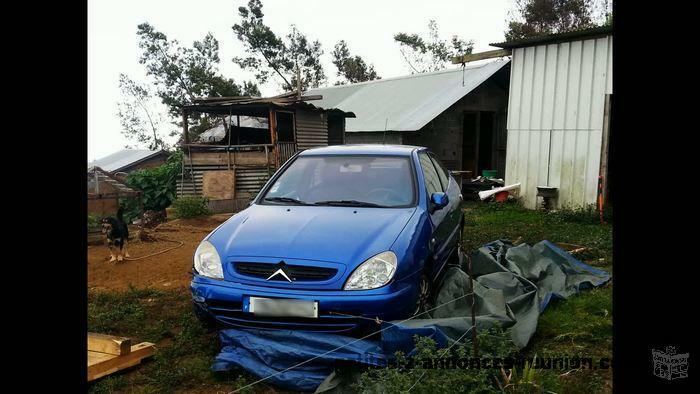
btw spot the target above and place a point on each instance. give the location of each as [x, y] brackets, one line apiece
[296, 272]
[231, 314]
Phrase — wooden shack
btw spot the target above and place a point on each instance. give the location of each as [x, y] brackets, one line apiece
[104, 192]
[257, 136]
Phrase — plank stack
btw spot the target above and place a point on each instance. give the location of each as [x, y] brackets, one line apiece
[108, 354]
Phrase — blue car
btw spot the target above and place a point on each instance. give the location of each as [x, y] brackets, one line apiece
[339, 238]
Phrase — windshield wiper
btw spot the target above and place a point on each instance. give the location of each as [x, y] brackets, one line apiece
[286, 199]
[350, 203]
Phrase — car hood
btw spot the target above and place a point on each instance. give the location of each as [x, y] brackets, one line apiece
[343, 235]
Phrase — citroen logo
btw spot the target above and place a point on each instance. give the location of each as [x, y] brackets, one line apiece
[280, 271]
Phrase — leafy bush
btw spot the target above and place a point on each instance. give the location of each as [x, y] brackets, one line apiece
[190, 207]
[94, 222]
[157, 185]
[494, 343]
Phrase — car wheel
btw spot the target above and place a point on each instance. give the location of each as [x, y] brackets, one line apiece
[461, 256]
[424, 297]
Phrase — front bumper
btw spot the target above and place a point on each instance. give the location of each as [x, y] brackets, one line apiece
[339, 311]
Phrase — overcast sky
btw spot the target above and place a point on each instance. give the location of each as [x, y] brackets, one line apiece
[367, 25]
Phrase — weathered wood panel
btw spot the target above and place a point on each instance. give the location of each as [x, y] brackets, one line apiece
[219, 185]
[249, 158]
[226, 206]
[248, 180]
[106, 206]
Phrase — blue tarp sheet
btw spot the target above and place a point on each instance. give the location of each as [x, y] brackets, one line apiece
[513, 285]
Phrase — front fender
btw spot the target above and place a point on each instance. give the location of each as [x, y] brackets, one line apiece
[412, 245]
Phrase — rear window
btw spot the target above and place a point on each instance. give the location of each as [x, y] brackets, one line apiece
[386, 181]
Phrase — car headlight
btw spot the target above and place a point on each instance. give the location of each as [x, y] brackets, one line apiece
[207, 261]
[375, 272]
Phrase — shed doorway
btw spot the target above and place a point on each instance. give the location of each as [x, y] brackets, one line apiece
[286, 139]
[478, 142]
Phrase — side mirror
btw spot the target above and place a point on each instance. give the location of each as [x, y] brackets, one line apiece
[439, 200]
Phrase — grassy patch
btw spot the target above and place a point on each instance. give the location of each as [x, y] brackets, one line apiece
[490, 221]
[581, 325]
[184, 350]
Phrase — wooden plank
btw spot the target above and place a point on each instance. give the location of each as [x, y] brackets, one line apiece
[605, 147]
[107, 206]
[272, 125]
[472, 57]
[312, 97]
[102, 364]
[219, 185]
[109, 344]
[221, 158]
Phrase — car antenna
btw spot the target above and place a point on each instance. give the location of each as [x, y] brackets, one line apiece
[384, 139]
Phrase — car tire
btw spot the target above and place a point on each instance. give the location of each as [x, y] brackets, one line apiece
[424, 299]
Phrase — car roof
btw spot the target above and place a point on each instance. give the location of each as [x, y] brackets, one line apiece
[362, 149]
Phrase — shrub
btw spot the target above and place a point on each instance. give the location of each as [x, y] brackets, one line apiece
[190, 207]
[157, 185]
[493, 343]
[94, 222]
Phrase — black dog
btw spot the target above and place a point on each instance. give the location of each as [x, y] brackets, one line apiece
[117, 235]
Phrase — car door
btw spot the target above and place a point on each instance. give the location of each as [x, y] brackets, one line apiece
[438, 217]
[453, 217]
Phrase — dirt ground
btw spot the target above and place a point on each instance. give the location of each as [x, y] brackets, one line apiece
[169, 270]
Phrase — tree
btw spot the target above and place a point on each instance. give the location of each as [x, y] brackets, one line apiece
[431, 53]
[541, 17]
[182, 74]
[352, 69]
[269, 54]
[140, 120]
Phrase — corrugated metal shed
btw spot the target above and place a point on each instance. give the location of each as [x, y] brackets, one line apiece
[123, 158]
[311, 130]
[408, 102]
[555, 118]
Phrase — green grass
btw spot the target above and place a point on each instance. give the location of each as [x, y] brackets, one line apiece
[184, 350]
[490, 221]
[581, 325]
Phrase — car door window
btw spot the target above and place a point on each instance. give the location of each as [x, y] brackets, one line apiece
[442, 172]
[432, 179]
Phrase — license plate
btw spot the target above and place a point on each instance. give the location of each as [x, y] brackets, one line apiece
[275, 307]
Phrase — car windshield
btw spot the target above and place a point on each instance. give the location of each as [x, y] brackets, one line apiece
[362, 181]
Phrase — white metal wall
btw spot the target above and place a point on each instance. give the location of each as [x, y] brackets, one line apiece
[555, 118]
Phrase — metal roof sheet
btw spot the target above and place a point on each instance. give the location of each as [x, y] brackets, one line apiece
[122, 158]
[557, 37]
[404, 103]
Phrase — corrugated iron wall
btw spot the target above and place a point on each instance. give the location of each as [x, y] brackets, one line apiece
[249, 180]
[555, 118]
[311, 129]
